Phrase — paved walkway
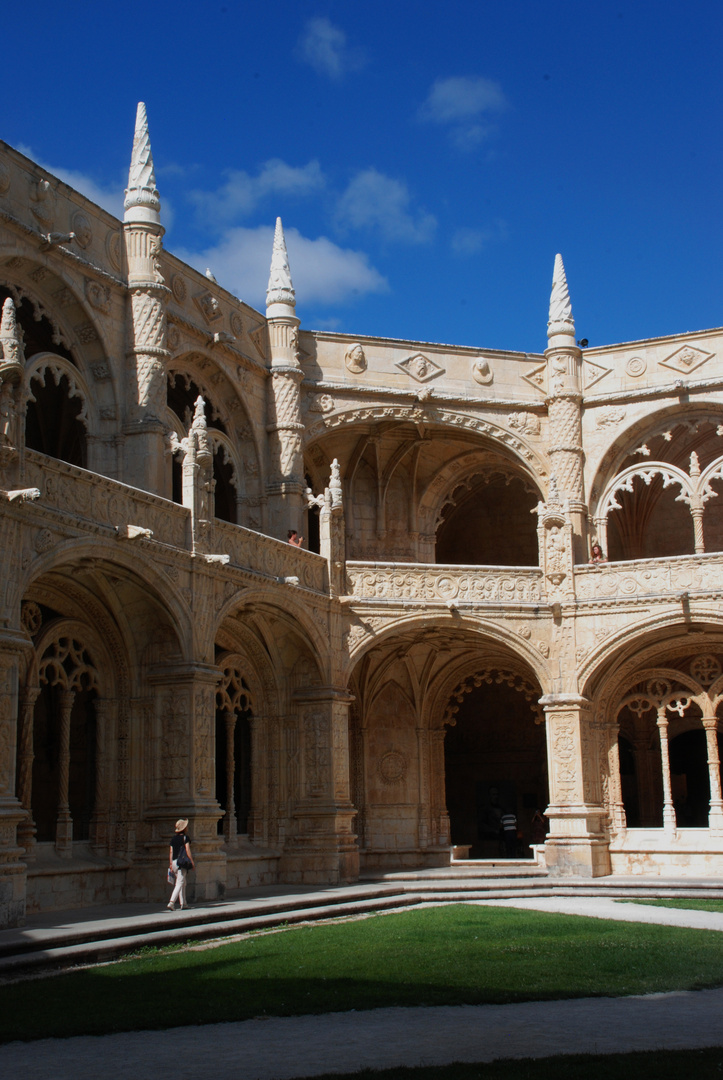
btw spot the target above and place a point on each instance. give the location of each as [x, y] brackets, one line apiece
[279, 1048]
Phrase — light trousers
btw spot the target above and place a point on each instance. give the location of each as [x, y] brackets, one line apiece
[179, 889]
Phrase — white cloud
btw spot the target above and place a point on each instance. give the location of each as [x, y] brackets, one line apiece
[463, 104]
[110, 198]
[241, 193]
[322, 271]
[469, 241]
[379, 203]
[323, 46]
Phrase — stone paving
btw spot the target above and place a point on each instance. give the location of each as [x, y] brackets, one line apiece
[279, 1048]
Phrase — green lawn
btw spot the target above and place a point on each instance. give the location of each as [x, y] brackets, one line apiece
[449, 955]
[690, 905]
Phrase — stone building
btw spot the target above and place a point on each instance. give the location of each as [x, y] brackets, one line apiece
[441, 651]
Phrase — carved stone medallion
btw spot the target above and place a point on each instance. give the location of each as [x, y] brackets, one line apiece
[420, 367]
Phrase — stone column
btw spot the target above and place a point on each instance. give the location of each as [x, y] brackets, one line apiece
[577, 843]
[423, 804]
[669, 821]
[715, 814]
[100, 825]
[697, 512]
[147, 353]
[64, 823]
[13, 870]
[13, 399]
[323, 848]
[332, 532]
[564, 404]
[286, 476]
[186, 717]
[229, 822]
[26, 757]
[617, 808]
[438, 804]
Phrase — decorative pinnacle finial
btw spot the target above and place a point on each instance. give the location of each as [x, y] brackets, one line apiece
[11, 342]
[560, 320]
[280, 289]
[142, 201]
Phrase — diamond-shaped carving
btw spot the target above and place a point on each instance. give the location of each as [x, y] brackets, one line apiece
[593, 373]
[686, 359]
[420, 367]
[537, 377]
[209, 307]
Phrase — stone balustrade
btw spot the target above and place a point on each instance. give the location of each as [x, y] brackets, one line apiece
[96, 500]
[450, 584]
[93, 500]
[265, 555]
[651, 577]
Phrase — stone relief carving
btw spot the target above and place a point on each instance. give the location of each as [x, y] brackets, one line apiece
[355, 360]
[99, 296]
[178, 288]
[686, 359]
[113, 249]
[609, 416]
[636, 366]
[392, 768]
[427, 585]
[80, 224]
[209, 307]
[322, 403]
[525, 422]
[593, 373]
[482, 372]
[420, 367]
[236, 323]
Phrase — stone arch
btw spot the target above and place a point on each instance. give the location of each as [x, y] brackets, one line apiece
[230, 429]
[403, 681]
[235, 707]
[376, 630]
[62, 563]
[433, 416]
[653, 687]
[77, 335]
[294, 612]
[60, 412]
[644, 496]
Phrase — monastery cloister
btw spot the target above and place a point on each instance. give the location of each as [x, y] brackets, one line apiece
[441, 650]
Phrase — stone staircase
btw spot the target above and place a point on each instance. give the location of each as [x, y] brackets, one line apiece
[94, 935]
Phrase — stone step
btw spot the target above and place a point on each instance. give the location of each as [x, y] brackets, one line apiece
[70, 946]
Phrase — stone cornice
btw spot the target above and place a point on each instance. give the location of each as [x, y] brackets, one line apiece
[62, 249]
[412, 396]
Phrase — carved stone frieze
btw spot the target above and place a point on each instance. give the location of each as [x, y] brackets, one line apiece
[423, 584]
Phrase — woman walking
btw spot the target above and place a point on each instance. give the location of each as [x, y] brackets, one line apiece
[180, 861]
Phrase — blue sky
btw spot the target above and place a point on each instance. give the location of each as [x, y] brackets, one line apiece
[428, 160]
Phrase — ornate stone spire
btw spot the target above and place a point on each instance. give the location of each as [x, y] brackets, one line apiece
[560, 320]
[11, 342]
[142, 201]
[280, 289]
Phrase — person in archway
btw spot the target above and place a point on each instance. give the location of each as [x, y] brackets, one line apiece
[508, 824]
[294, 538]
[597, 555]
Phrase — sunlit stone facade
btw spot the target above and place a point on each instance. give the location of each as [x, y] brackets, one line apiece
[441, 649]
